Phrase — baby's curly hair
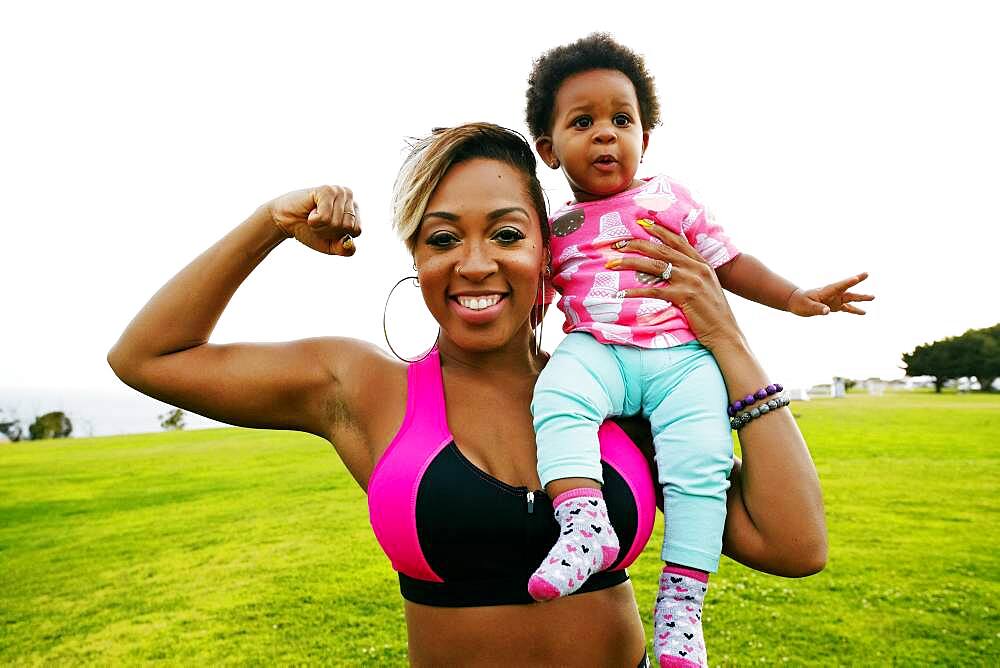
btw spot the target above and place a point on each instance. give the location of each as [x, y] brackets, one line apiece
[598, 51]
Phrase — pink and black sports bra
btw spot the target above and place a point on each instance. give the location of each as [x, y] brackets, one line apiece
[427, 502]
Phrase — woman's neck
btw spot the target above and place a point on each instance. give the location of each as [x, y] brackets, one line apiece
[515, 359]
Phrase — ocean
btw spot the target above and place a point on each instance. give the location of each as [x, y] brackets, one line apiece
[94, 412]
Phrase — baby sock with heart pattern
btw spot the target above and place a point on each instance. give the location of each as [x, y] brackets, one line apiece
[678, 640]
[587, 544]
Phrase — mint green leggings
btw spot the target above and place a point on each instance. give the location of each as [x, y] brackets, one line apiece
[681, 392]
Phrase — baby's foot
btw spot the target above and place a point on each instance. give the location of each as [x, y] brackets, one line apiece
[587, 544]
[677, 637]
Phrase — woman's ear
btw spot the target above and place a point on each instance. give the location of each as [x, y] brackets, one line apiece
[544, 147]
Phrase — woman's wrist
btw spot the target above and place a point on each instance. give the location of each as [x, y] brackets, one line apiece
[742, 372]
[263, 221]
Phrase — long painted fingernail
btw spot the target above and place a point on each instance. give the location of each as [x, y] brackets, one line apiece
[611, 264]
[618, 245]
[645, 222]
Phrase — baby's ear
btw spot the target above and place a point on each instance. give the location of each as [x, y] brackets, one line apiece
[544, 147]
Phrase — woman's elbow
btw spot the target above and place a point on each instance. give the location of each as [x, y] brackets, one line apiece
[811, 561]
[806, 557]
[123, 364]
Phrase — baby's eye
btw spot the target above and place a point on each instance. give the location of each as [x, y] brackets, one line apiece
[441, 239]
[583, 122]
[508, 235]
[622, 120]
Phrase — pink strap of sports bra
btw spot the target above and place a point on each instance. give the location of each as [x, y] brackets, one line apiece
[395, 481]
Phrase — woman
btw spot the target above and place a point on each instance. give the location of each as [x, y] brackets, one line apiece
[471, 211]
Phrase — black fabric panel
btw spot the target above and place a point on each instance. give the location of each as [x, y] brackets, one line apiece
[477, 534]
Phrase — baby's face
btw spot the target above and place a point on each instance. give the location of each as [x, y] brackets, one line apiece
[597, 133]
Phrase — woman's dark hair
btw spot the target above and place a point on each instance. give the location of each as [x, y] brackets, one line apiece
[598, 51]
[431, 157]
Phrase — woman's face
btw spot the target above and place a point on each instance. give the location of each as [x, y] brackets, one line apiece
[479, 255]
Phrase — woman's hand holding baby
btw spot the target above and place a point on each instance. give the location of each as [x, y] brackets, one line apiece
[326, 219]
[693, 286]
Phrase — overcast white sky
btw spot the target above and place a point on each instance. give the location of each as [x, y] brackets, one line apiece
[829, 138]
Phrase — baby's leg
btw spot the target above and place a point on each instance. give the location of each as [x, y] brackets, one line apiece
[686, 403]
[580, 386]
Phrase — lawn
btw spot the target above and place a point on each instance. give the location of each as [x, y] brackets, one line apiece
[238, 546]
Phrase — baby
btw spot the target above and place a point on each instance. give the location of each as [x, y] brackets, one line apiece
[590, 109]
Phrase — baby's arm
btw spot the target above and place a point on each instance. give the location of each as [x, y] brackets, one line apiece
[749, 278]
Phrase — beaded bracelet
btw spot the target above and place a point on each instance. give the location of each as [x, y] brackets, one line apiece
[740, 420]
[751, 399]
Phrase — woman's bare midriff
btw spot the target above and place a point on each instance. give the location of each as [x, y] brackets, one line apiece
[600, 628]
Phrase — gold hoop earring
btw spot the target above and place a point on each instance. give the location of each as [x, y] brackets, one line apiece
[385, 328]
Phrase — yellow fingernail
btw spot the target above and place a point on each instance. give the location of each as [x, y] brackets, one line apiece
[644, 222]
[611, 264]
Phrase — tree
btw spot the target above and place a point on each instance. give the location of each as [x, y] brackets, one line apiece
[933, 359]
[172, 420]
[11, 428]
[978, 354]
[50, 425]
[975, 353]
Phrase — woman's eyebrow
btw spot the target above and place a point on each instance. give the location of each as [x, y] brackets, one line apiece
[440, 214]
[500, 213]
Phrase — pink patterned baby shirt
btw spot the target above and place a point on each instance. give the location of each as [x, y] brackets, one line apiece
[582, 235]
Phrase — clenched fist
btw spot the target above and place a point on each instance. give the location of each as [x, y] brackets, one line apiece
[325, 218]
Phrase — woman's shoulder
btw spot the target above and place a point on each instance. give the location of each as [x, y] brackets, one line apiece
[359, 365]
[366, 381]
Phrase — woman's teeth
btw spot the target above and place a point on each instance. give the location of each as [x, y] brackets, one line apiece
[478, 303]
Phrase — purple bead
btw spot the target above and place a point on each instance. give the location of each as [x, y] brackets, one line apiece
[737, 405]
[760, 394]
[732, 411]
[771, 389]
[747, 400]
[778, 387]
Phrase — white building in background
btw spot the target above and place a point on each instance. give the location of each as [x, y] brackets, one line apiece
[797, 394]
[875, 387]
[915, 382]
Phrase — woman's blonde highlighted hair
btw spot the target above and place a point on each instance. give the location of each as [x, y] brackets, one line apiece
[430, 159]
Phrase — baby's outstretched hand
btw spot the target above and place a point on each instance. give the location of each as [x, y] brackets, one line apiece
[833, 297]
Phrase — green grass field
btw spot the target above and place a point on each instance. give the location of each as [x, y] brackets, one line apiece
[238, 546]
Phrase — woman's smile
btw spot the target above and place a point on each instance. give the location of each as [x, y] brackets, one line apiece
[478, 309]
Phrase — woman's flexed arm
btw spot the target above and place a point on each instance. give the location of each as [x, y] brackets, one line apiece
[164, 352]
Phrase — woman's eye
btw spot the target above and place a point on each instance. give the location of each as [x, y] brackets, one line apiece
[622, 121]
[508, 235]
[441, 239]
[583, 122]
